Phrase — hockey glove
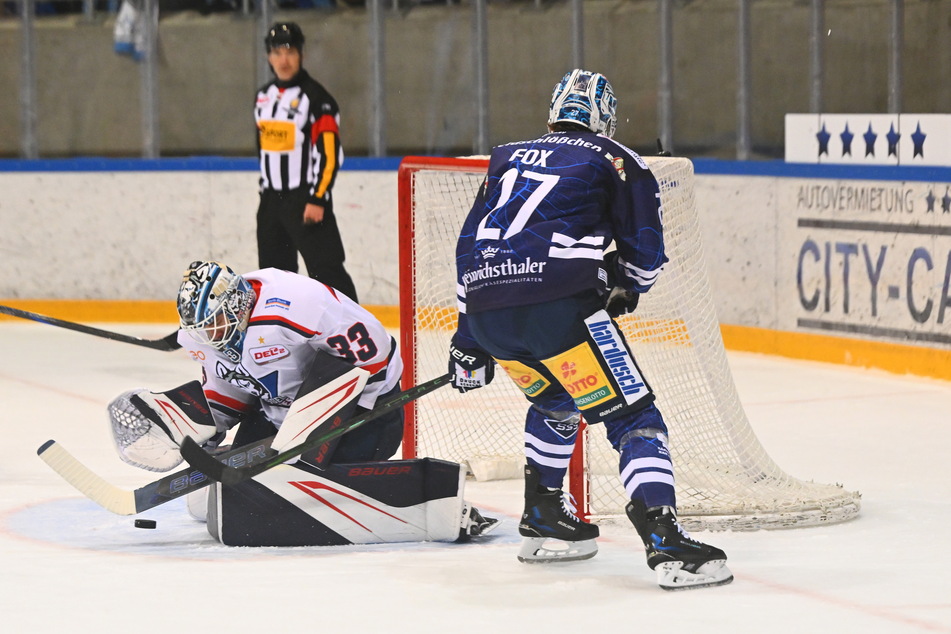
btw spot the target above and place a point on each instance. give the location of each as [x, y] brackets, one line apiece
[469, 369]
[621, 302]
[618, 301]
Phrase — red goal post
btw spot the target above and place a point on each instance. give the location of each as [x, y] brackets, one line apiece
[724, 477]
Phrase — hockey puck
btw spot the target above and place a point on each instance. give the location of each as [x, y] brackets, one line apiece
[145, 524]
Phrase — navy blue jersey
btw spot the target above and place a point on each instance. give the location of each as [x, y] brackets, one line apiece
[546, 213]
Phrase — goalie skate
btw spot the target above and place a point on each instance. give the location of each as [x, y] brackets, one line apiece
[681, 562]
[550, 530]
[474, 524]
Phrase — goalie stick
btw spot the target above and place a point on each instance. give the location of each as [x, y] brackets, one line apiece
[175, 485]
[167, 343]
[226, 473]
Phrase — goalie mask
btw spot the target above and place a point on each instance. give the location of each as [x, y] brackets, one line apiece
[586, 99]
[214, 305]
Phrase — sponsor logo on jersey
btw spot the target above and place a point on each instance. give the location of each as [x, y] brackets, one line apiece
[267, 354]
[581, 375]
[277, 136]
[619, 361]
[489, 252]
[530, 381]
[493, 273]
[277, 302]
[562, 140]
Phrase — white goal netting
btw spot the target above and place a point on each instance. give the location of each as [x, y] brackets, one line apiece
[725, 479]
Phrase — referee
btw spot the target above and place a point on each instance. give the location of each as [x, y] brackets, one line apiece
[299, 153]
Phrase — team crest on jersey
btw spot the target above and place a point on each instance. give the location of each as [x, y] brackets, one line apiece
[618, 163]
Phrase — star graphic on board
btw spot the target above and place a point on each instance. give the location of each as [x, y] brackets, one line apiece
[946, 201]
[823, 137]
[918, 138]
[929, 200]
[846, 137]
[869, 137]
[892, 137]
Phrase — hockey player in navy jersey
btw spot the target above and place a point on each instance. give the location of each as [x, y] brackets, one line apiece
[539, 286]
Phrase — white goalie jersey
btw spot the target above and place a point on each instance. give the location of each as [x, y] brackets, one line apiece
[293, 318]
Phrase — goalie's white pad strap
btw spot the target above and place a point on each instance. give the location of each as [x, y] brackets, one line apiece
[310, 410]
[178, 423]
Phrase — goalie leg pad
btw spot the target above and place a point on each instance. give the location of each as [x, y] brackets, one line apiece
[359, 503]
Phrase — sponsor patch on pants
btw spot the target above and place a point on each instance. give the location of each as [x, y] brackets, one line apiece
[527, 379]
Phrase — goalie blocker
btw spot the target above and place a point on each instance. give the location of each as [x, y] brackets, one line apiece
[358, 503]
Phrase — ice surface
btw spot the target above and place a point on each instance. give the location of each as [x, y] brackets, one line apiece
[68, 566]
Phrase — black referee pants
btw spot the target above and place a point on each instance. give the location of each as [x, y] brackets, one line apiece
[281, 234]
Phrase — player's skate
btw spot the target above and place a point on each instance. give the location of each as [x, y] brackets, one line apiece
[681, 562]
[474, 524]
[549, 518]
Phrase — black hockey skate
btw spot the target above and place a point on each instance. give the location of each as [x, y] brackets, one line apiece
[474, 524]
[549, 516]
[681, 562]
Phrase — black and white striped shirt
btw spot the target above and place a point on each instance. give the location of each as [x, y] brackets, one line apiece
[298, 125]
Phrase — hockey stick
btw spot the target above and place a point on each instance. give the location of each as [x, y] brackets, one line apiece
[166, 343]
[217, 469]
[175, 485]
[125, 502]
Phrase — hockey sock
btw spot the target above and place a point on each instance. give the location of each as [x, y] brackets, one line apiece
[549, 442]
[645, 467]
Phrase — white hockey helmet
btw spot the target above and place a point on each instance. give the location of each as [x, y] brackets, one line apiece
[586, 99]
[214, 305]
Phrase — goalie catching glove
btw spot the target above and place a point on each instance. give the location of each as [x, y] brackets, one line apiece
[469, 368]
[148, 427]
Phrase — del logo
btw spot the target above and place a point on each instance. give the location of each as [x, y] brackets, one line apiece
[266, 354]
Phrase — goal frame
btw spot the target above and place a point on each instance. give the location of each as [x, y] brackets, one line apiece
[752, 494]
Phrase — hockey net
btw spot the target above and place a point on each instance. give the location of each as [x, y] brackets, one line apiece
[724, 477]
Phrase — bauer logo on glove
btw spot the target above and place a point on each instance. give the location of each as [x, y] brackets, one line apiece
[470, 369]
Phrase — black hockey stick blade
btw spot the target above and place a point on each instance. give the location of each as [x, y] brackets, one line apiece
[167, 343]
[131, 502]
[230, 474]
